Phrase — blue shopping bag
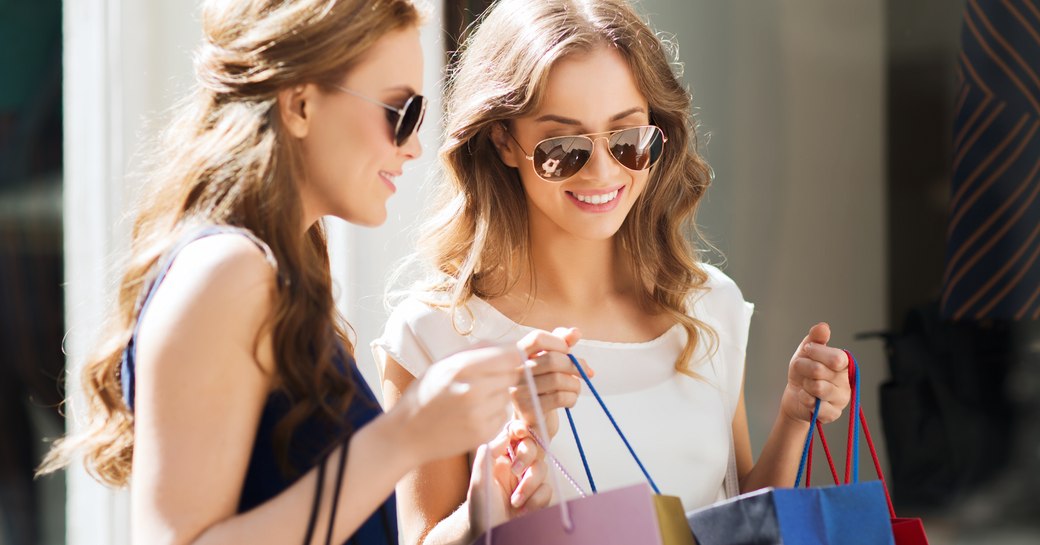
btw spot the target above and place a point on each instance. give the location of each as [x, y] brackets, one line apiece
[853, 514]
[846, 514]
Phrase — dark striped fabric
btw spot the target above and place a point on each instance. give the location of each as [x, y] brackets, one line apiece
[993, 234]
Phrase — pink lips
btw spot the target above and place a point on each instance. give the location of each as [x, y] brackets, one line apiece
[386, 180]
[597, 208]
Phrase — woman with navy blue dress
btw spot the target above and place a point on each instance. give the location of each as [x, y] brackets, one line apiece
[224, 392]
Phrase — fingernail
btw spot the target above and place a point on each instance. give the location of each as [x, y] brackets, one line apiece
[516, 499]
[518, 468]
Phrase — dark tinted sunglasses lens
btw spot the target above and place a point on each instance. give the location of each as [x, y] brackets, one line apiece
[557, 159]
[414, 111]
[637, 148]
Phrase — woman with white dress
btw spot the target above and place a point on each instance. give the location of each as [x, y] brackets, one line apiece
[570, 183]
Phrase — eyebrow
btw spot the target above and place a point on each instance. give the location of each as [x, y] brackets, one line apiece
[569, 121]
[401, 88]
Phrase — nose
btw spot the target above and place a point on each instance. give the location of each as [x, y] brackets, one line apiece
[412, 148]
[602, 166]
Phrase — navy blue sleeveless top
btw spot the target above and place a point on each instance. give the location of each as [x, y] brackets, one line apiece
[312, 439]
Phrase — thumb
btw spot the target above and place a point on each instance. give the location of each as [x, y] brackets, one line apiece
[819, 334]
[517, 431]
[497, 446]
[570, 335]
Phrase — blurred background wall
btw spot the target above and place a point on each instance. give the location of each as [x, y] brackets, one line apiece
[791, 105]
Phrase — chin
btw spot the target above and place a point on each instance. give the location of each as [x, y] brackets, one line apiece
[371, 219]
[605, 233]
[375, 222]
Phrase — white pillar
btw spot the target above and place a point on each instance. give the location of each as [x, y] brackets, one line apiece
[92, 198]
[125, 61]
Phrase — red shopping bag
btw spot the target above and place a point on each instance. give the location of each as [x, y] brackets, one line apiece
[907, 531]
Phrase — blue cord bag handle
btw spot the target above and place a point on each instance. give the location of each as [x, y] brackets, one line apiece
[603, 405]
[856, 407]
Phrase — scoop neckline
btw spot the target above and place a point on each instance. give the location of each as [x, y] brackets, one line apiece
[585, 342]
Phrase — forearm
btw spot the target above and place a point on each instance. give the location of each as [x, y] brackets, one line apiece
[376, 460]
[778, 463]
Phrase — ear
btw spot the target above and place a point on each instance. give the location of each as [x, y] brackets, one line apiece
[295, 108]
[504, 144]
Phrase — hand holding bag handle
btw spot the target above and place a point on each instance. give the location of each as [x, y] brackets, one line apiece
[852, 448]
[852, 451]
[632, 514]
[907, 531]
[540, 437]
[853, 513]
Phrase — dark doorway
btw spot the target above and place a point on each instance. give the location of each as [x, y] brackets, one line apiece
[31, 267]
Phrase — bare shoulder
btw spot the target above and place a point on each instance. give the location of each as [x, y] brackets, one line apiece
[226, 262]
[216, 297]
[223, 275]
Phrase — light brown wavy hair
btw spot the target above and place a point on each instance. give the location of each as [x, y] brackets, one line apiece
[226, 160]
[477, 241]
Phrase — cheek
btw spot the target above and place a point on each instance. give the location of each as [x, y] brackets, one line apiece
[539, 192]
[326, 146]
[351, 148]
[639, 182]
[369, 140]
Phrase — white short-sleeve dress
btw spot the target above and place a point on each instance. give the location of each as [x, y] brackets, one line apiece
[678, 425]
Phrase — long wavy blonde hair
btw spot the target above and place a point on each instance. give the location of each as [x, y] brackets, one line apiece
[477, 241]
[226, 160]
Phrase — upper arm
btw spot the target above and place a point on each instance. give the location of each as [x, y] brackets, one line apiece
[429, 493]
[201, 382]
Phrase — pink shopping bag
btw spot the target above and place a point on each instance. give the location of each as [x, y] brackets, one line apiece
[625, 516]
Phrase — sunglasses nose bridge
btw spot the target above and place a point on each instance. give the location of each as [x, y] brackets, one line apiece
[595, 140]
[600, 165]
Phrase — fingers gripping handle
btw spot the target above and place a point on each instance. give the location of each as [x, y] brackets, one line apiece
[852, 448]
[852, 454]
[542, 438]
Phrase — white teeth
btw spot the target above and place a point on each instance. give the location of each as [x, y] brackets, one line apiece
[596, 199]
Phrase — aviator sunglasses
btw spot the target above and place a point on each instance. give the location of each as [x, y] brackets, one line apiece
[405, 120]
[559, 158]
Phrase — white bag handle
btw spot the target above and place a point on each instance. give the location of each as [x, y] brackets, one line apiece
[541, 437]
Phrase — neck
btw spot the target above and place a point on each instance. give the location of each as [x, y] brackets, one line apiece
[571, 271]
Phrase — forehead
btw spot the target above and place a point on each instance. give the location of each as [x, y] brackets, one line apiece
[590, 87]
[394, 60]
